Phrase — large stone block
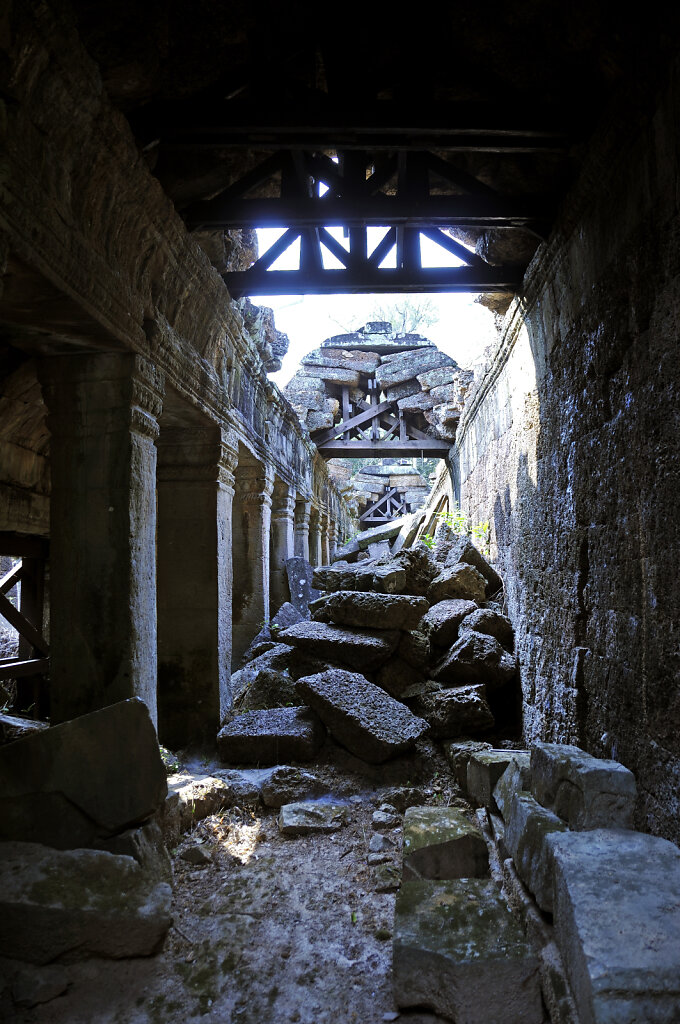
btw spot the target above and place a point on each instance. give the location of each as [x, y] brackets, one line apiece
[88, 778]
[419, 567]
[515, 779]
[485, 768]
[617, 923]
[586, 791]
[383, 532]
[78, 903]
[360, 715]
[302, 591]
[271, 737]
[407, 365]
[486, 620]
[528, 825]
[459, 711]
[461, 580]
[458, 950]
[458, 754]
[341, 358]
[380, 611]
[463, 550]
[361, 648]
[442, 621]
[476, 657]
[440, 843]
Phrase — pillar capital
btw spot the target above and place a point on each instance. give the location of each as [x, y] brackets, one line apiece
[254, 483]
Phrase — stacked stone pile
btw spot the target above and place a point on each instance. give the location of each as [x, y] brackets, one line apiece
[396, 648]
[370, 482]
[407, 369]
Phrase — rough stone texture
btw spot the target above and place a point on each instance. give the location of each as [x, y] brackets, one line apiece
[286, 785]
[485, 768]
[365, 362]
[586, 791]
[516, 777]
[486, 620]
[360, 648]
[419, 567]
[262, 688]
[380, 611]
[460, 711]
[145, 845]
[303, 819]
[397, 676]
[91, 777]
[527, 826]
[414, 649]
[568, 450]
[617, 922]
[388, 579]
[302, 592]
[463, 550]
[287, 615]
[461, 581]
[271, 737]
[476, 657]
[458, 754]
[440, 843]
[361, 715]
[458, 950]
[385, 531]
[379, 548]
[78, 903]
[35, 985]
[406, 365]
[442, 621]
[199, 798]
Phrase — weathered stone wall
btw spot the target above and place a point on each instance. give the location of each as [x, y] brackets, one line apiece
[571, 447]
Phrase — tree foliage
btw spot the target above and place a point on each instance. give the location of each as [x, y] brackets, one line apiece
[407, 316]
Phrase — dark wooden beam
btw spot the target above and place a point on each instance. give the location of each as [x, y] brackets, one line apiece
[352, 422]
[17, 668]
[25, 629]
[21, 545]
[368, 450]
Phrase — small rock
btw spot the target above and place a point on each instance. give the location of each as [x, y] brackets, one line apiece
[386, 878]
[380, 844]
[388, 808]
[286, 785]
[197, 855]
[302, 819]
[378, 858]
[385, 820]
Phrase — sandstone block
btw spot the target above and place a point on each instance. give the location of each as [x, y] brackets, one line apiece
[386, 531]
[419, 567]
[320, 419]
[271, 737]
[85, 779]
[303, 819]
[461, 580]
[458, 753]
[463, 550]
[388, 579]
[380, 611]
[262, 688]
[199, 798]
[342, 358]
[337, 375]
[379, 548]
[442, 621]
[439, 843]
[343, 577]
[361, 648]
[617, 923]
[459, 711]
[485, 768]
[415, 403]
[361, 715]
[458, 950]
[287, 785]
[586, 791]
[302, 591]
[399, 391]
[14, 728]
[414, 648]
[490, 622]
[305, 392]
[145, 845]
[515, 779]
[397, 676]
[436, 378]
[406, 365]
[78, 903]
[527, 827]
[476, 657]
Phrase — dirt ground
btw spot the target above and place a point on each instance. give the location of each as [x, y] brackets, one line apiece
[272, 929]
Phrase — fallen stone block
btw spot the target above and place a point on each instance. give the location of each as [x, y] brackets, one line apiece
[419, 569]
[476, 658]
[458, 754]
[271, 737]
[71, 784]
[379, 548]
[440, 843]
[458, 950]
[285, 784]
[617, 923]
[515, 779]
[485, 768]
[489, 621]
[586, 791]
[14, 728]
[388, 579]
[414, 648]
[361, 716]
[380, 611]
[303, 819]
[386, 531]
[527, 826]
[199, 798]
[396, 677]
[406, 365]
[442, 621]
[35, 985]
[145, 845]
[287, 615]
[260, 688]
[73, 904]
[453, 712]
[460, 581]
[463, 550]
[302, 591]
[243, 785]
[363, 649]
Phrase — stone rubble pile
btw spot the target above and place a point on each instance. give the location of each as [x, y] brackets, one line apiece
[396, 648]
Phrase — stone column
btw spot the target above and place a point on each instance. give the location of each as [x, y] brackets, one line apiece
[103, 412]
[325, 540]
[283, 543]
[315, 537]
[251, 524]
[195, 495]
[332, 538]
[303, 508]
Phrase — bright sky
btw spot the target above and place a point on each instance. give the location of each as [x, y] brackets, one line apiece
[463, 331]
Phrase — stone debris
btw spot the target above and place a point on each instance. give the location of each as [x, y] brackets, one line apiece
[476, 658]
[308, 818]
[363, 649]
[147, 846]
[287, 615]
[454, 712]
[460, 581]
[262, 688]
[586, 791]
[381, 844]
[414, 649]
[14, 728]
[385, 820]
[271, 737]
[386, 877]
[74, 783]
[441, 622]
[196, 855]
[397, 677]
[381, 611]
[361, 716]
[485, 768]
[441, 843]
[458, 754]
[286, 785]
[463, 550]
[490, 622]
[33, 986]
[459, 950]
[78, 903]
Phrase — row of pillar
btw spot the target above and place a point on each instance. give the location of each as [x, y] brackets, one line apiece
[168, 546]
